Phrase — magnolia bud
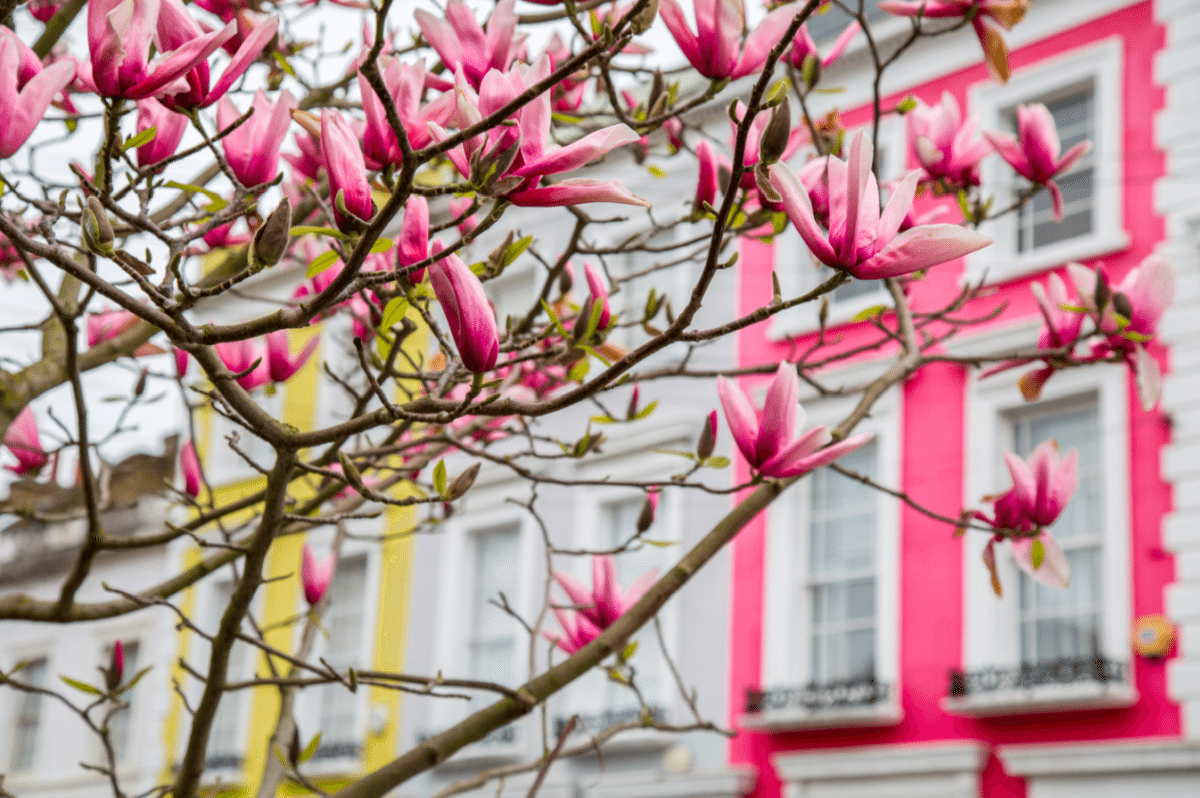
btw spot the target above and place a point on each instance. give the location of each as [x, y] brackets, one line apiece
[762, 179]
[708, 437]
[462, 483]
[641, 22]
[646, 516]
[656, 91]
[116, 667]
[353, 222]
[271, 238]
[97, 230]
[1103, 292]
[774, 139]
[1122, 305]
[632, 410]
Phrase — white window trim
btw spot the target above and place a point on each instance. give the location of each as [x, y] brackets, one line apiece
[930, 770]
[487, 511]
[352, 548]
[787, 657]
[588, 519]
[40, 648]
[990, 628]
[803, 318]
[1102, 64]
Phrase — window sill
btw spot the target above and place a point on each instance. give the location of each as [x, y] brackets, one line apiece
[781, 720]
[1043, 698]
[1003, 265]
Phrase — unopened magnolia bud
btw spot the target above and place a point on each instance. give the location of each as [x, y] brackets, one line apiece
[1122, 305]
[762, 179]
[97, 230]
[642, 21]
[823, 313]
[462, 483]
[139, 387]
[293, 752]
[632, 410]
[116, 667]
[774, 140]
[271, 238]
[646, 516]
[565, 280]
[350, 220]
[1103, 293]
[582, 320]
[708, 437]
[810, 70]
[656, 91]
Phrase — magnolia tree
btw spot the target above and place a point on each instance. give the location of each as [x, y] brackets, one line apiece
[439, 126]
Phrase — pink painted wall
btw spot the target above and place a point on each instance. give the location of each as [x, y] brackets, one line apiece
[932, 428]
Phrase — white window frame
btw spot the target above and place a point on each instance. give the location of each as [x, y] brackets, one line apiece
[991, 623]
[486, 511]
[787, 658]
[590, 534]
[1101, 64]
[307, 708]
[803, 318]
[29, 650]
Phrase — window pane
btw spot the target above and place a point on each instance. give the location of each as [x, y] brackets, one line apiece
[841, 571]
[1066, 622]
[1074, 117]
[493, 642]
[343, 622]
[832, 22]
[619, 523]
[28, 717]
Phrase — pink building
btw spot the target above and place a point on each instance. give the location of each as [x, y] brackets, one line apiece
[870, 657]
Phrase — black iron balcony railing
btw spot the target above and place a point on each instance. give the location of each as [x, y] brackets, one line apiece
[334, 749]
[222, 761]
[599, 721]
[1065, 670]
[503, 736]
[846, 693]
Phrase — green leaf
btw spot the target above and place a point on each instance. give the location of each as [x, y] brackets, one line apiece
[381, 245]
[1074, 308]
[617, 676]
[303, 230]
[283, 63]
[393, 312]
[383, 344]
[1141, 338]
[629, 650]
[137, 140]
[831, 90]
[964, 205]
[906, 105]
[874, 310]
[654, 170]
[321, 263]
[479, 269]
[311, 748]
[137, 677]
[514, 250]
[212, 195]
[778, 92]
[719, 461]
[604, 419]
[579, 371]
[688, 455]
[82, 686]
[1037, 554]
[439, 477]
[566, 119]
[71, 124]
[662, 544]
[645, 411]
[554, 318]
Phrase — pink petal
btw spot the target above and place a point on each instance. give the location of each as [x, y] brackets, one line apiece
[1024, 482]
[246, 54]
[897, 208]
[672, 16]
[1148, 377]
[1006, 145]
[181, 61]
[825, 456]
[579, 153]
[919, 248]
[638, 589]
[605, 592]
[843, 41]
[575, 191]
[1039, 138]
[760, 41]
[1054, 571]
[189, 464]
[786, 459]
[798, 207]
[779, 413]
[578, 595]
[741, 418]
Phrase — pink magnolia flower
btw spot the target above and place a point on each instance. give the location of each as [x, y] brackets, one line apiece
[119, 37]
[189, 466]
[29, 65]
[239, 357]
[347, 172]
[412, 246]
[596, 609]
[406, 85]
[252, 149]
[315, 574]
[1042, 486]
[25, 92]
[463, 44]
[116, 666]
[1060, 327]
[1035, 156]
[43, 10]
[471, 320]
[169, 128]
[459, 206]
[707, 181]
[181, 362]
[860, 240]
[713, 50]
[1004, 13]
[1130, 320]
[25, 444]
[768, 446]
[597, 293]
[10, 260]
[674, 130]
[804, 48]
[944, 144]
[108, 325]
[280, 363]
[177, 31]
[308, 162]
[510, 161]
